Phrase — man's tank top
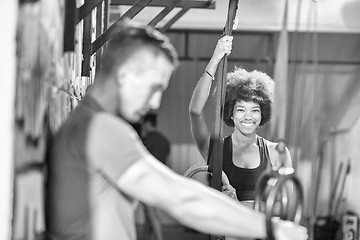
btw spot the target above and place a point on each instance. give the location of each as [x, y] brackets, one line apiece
[244, 179]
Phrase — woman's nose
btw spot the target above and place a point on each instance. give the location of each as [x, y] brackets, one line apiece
[247, 115]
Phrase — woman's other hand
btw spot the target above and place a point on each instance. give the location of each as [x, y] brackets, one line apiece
[229, 190]
[286, 230]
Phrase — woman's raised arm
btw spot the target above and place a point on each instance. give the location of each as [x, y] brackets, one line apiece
[199, 129]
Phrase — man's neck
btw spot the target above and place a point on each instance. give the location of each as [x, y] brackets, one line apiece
[105, 95]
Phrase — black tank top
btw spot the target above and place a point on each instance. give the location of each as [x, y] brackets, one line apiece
[244, 179]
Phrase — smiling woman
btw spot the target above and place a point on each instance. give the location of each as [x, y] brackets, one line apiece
[255, 86]
[248, 100]
[246, 116]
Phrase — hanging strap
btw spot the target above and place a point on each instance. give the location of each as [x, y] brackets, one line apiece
[217, 140]
[264, 151]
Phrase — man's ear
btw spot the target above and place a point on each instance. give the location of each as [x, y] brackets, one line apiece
[123, 74]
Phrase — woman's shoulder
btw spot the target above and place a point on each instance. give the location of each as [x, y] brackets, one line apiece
[274, 154]
[271, 145]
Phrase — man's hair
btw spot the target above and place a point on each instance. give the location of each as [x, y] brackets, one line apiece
[252, 86]
[131, 37]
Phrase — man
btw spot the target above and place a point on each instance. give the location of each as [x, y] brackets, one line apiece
[155, 142]
[99, 169]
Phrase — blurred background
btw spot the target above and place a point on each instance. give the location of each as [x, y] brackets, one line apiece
[310, 48]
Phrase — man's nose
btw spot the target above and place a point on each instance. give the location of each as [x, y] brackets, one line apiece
[155, 100]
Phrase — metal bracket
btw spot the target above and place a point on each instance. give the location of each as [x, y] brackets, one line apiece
[74, 15]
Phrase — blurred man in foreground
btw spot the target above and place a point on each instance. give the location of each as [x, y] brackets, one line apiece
[99, 169]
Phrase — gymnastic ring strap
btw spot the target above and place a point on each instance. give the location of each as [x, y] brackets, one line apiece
[197, 168]
[269, 196]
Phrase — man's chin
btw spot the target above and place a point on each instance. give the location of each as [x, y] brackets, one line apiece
[135, 118]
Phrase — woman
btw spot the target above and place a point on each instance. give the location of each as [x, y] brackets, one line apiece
[248, 100]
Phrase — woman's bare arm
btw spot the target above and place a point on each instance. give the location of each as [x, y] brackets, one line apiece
[199, 129]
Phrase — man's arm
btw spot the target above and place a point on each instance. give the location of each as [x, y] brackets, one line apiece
[114, 148]
[196, 205]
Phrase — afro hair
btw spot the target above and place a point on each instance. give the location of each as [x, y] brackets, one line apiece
[252, 86]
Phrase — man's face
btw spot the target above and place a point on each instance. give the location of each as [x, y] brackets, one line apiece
[141, 87]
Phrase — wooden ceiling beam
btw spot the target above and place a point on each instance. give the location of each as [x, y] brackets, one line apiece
[174, 19]
[131, 13]
[86, 8]
[74, 15]
[209, 4]
[164, 13]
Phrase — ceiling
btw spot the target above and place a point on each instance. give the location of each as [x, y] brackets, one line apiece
[266, 15]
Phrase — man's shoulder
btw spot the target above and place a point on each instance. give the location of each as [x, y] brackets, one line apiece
[108, 123]
[105, 127]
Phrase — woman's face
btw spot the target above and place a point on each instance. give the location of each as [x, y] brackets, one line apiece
[246, 116]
